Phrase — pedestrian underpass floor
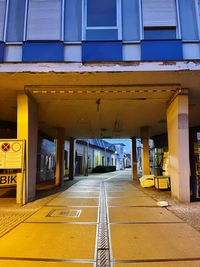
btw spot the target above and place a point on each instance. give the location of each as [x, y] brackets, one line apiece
[107, 221]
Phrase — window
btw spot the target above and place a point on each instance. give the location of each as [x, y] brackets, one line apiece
[101, 13]
[44, 20]
[15, 27]
[189, 28]
[159, 19]
[159, 33]
[2, 18]
[101, 20]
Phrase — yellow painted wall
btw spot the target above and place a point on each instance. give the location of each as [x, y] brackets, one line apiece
[145, 151]
[27, 129]
[178, 141]
[97, 160]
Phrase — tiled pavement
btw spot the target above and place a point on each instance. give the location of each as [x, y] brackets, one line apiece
[101, 222]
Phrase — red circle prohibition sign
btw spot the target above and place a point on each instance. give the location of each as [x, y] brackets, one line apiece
[16, 147]
[5, 147]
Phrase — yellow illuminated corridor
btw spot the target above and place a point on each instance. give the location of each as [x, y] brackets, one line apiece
[102, 220]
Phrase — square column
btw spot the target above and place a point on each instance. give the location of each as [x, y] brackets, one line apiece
[93, 159]
[60, 156]
[71, 158]
[84, 160]
[145, 151]
[27, 129]
[178, 140]
[134, 159]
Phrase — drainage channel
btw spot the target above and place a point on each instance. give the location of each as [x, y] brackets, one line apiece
[103, 248]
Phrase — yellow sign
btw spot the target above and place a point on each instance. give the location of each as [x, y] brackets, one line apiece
[11, 152]
[8, 179]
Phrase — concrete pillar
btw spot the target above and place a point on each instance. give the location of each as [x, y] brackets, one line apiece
[145, 151]
[93, 158]
[178, 141]
[134, 159]
[71, 158]
[27, 129]
[60, 156]
[84, 160]
[193, 175]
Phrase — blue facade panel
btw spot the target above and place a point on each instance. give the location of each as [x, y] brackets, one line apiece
[101, 51]
[43, 52]
[161, 50]
[1, 51]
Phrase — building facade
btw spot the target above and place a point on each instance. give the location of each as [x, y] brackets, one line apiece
[73, 30]
[92, 69]
[89, 153]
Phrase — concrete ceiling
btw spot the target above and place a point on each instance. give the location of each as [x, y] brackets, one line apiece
[99, 104]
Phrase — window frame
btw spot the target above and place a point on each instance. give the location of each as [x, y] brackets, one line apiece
[162, 28]
[84, 20]
[118, 27]
[178, 27]
[62, 18]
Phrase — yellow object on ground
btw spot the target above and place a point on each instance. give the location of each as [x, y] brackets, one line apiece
[162, 182]
[166, 166]
[147, 181]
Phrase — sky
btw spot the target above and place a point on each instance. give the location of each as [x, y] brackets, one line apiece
[126, 142]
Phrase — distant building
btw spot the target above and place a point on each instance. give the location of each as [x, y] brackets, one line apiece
[89, 153]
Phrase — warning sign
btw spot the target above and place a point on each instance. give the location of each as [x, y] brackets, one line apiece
[8, 179]
[5, 147]
[16, 147]
[11, 154]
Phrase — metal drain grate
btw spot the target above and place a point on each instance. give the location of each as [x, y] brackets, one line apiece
[64, 213]
[103, 251]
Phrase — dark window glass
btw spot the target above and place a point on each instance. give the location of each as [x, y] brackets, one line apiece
[101, 35]
[101, 13]
[159, 33]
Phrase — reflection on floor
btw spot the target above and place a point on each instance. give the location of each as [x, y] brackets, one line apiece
[102, 221]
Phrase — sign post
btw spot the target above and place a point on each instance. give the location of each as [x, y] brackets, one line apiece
[12, 157]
